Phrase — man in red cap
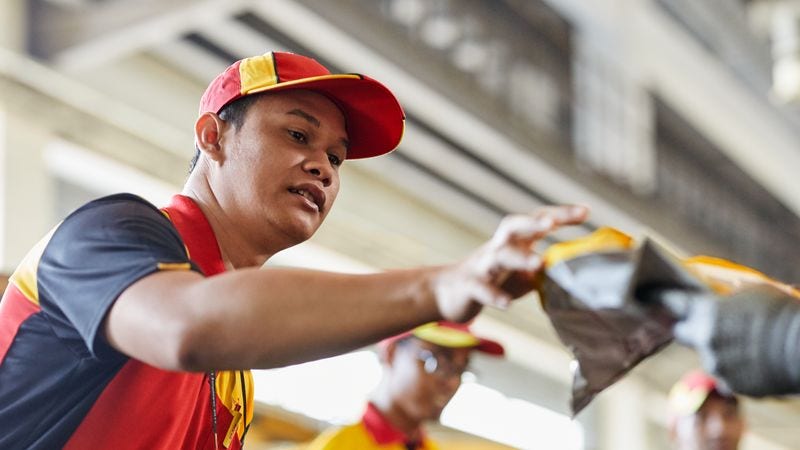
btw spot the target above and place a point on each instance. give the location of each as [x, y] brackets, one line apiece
[422, 371]
[131, 327]
[703, 417]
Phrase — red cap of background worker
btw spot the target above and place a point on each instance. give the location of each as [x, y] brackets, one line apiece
[375, 120]
[450, 334]
[691, 391]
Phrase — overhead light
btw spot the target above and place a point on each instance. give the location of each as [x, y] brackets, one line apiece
[440, 31]
[470, 55]
[408, 12]
[786, 79]
[785, 36]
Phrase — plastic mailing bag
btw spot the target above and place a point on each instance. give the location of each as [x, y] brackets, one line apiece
[595, 292]
[589, 292]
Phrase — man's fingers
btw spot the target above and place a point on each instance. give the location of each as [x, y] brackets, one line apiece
[530, 227]
[565, 214]
[489, 295]
[522, 226]
[505, 266]
[512, 258]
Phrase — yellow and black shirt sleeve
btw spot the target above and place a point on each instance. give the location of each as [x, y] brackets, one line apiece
[94, 255]
[51, 341]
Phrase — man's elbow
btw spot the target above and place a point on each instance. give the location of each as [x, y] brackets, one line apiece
[193, 349]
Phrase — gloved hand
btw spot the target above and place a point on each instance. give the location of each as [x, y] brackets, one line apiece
[749, 340]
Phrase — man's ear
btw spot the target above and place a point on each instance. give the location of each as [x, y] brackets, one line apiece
[208, 134]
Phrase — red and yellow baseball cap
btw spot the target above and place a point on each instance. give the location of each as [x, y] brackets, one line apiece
[691, 391]
[452, 335]
[375, 119]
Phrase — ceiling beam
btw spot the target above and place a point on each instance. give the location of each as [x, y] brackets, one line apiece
[80, 38]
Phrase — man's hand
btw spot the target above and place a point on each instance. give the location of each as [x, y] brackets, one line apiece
[503, 268]
[750, 340]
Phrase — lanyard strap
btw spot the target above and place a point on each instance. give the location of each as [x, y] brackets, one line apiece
[244, 406]
[212, 379]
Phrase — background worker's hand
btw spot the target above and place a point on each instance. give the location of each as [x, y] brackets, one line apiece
[750, 341]
[504, 268]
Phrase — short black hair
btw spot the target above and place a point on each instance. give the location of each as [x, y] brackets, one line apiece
[234, 112]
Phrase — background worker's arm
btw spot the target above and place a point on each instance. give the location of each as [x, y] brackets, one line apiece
[750, 340]
[260, 318]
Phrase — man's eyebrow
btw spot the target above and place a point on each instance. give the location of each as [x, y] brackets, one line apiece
[314, 121]
[311, 119]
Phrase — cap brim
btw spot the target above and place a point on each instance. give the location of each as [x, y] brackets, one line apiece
[374, 118]
[491, 347]
[457, 338]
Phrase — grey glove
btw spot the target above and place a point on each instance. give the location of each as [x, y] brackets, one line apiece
[750, 340]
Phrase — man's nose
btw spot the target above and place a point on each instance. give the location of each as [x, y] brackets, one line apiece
[320, 168]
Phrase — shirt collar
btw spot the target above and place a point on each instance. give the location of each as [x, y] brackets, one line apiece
[197, 234]
[381, 429]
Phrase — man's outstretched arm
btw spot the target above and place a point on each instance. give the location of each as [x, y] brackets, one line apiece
[261, 318]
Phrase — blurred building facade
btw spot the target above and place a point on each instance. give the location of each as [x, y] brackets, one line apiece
[667, 117]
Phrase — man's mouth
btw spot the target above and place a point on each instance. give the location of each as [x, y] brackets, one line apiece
[314, 196]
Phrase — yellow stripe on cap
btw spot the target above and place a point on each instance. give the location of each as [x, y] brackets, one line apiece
[342, 76]
[685, 401]
[444, 336]
[257, 72]
[601, 240]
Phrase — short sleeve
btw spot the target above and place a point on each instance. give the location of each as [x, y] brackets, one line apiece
[93, 256]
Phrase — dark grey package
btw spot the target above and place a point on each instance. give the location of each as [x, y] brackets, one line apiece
[598, 306]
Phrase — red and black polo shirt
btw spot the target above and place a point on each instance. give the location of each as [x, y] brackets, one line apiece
[61, 383]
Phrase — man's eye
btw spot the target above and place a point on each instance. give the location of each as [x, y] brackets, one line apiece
[335, 160]
[297, 136]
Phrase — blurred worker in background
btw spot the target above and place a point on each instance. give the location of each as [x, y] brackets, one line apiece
[421, 372]
[702, 416]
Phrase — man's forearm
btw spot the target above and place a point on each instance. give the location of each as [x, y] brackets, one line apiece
[261, 318]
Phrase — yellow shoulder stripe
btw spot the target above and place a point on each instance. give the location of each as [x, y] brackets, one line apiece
[174, 266]
[24, 278]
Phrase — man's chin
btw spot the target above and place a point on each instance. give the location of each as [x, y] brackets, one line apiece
[302, 231]
[437, 413]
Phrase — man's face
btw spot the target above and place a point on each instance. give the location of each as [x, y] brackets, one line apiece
[425, 376]
[717, 425]
[281, 172]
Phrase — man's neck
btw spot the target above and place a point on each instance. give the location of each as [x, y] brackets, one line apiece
[236, 251]
[399, 419]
